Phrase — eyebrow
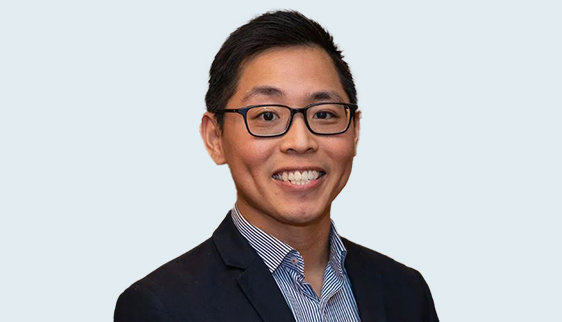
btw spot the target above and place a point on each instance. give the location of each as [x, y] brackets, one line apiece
[272, 91]
[264, 90]
[325, 96]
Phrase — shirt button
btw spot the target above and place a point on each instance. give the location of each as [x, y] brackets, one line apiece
[294, 260]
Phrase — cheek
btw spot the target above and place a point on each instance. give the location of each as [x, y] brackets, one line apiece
[250, 157]
[342, 152]
[242, 151]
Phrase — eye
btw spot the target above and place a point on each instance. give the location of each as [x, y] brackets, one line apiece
[324, 115]
[267, 116]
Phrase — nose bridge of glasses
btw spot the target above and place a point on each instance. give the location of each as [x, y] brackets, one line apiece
[302, 117]
[295, 111]
[298, 135]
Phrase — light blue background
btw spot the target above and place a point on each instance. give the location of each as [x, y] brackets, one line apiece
[103, 176]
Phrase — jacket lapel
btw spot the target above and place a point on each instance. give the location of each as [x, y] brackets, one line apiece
[366, 284]
[262, 290]
[254, 279]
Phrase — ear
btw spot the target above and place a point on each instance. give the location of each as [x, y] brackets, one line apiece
[356, 128]
[212, 137]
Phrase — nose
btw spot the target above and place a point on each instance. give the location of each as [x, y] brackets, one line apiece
[298, 138]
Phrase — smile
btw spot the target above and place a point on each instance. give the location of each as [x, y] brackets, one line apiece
[299, 177]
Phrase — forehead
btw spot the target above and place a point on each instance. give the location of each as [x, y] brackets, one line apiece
[294, 72]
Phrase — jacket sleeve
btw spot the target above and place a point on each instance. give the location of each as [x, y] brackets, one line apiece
[431, 314]
[139, 304]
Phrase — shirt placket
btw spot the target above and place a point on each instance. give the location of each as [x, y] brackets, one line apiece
[335, 281]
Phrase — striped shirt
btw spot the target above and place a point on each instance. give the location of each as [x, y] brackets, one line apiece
[286, 264]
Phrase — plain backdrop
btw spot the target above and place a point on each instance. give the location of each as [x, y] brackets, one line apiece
[103, 175]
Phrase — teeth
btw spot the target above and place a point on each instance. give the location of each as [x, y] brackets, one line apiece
[298, 177]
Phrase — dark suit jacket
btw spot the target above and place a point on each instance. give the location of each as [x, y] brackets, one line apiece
[224, 279]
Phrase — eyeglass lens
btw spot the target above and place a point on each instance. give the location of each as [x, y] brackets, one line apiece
[322, 119]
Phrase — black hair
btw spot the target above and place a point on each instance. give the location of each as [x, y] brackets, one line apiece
[270, 30]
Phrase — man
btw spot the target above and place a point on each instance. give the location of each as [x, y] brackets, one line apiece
[282, 113]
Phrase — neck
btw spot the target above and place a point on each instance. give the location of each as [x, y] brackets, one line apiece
[311, 240]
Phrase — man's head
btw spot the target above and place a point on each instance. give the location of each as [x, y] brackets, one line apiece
[290, 179]
[270, 30]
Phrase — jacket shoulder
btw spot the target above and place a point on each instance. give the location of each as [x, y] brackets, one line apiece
[187, 268]
[180, 282]
[386, 266]
[405, 290]
[192, 263]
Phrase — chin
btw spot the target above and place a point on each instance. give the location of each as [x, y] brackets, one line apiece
[302, 216]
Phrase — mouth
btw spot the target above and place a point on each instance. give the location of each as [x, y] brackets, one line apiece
[299, 177]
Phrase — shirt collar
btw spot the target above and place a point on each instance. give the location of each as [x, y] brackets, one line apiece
[273, 251]
[338, 251]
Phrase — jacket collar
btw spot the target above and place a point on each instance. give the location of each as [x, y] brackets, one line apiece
[262, 291]
[254, 278]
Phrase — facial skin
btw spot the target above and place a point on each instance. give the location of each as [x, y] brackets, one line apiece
[296, 77]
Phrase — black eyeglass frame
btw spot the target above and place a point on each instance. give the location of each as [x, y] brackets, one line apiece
[244, 112]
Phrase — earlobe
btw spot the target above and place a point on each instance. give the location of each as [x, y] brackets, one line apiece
[211, 135]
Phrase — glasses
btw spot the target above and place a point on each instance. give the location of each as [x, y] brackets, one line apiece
[270, 120]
